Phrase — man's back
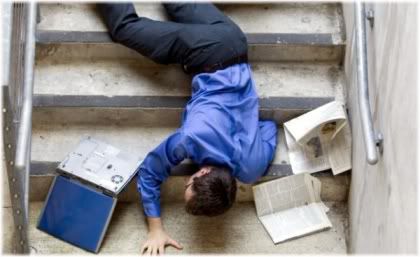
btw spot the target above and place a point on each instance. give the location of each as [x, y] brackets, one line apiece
[222, 119]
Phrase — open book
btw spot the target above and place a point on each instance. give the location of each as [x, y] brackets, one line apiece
[319, 140]
[291, 207]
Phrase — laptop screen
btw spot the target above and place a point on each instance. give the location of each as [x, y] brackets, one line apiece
[76, 213]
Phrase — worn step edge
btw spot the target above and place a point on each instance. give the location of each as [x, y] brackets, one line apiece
[130, 110]
[135, 116]
[48, 168]
[128, 101]
[334, 188]
[320, 47]
[311, 39]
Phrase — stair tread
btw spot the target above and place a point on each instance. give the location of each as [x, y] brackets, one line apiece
[224, 234]
[266, 18]
[132, 78]
[51, 143]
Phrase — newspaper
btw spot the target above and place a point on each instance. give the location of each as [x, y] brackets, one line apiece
[319, 140]
[291, 207]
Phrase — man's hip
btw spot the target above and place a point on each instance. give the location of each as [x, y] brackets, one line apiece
[216, 48]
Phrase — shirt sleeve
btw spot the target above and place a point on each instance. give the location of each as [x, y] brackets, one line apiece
[156, 168]
[269, 135]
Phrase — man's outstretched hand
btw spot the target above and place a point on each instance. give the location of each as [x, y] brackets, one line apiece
[157, 239]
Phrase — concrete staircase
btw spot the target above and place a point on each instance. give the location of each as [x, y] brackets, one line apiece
[87, 85]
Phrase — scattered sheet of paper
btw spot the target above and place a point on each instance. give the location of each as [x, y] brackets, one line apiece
[291, 207]
[319, 140]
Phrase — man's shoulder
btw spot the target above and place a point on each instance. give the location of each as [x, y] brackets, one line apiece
[194, 128]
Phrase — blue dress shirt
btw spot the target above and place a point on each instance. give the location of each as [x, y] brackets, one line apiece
[220, 126]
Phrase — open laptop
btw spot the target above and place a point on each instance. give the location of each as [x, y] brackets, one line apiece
[82, 198]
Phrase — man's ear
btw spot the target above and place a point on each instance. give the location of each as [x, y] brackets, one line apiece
[205, 170]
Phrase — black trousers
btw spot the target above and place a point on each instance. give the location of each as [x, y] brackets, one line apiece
[197, 37]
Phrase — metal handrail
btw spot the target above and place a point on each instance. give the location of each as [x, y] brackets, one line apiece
[372, 139]
[24, 129]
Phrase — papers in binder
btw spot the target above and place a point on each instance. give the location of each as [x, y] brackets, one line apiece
[319, 140]
[291, 207]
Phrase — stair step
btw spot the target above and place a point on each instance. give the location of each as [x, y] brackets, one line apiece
[52, 141]
[285, 89]
[280, 31]
[226, 234]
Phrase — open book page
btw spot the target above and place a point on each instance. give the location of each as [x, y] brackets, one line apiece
[339, 151]
[291, 206]
[316, 185]
[308, 158]
[319, 140]
[295, 222]
[282, 194]
[310, 124]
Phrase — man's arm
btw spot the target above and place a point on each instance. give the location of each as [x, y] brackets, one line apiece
[153, 171]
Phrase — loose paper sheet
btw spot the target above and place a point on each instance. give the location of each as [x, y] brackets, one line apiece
[290, 207]
[319, 140]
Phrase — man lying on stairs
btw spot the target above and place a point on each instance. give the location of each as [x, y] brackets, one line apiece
[221, 130]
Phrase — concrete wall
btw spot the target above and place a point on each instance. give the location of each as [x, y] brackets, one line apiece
[383, 198]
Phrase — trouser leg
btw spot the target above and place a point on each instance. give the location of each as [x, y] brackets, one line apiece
[191, 45]
[157, 40]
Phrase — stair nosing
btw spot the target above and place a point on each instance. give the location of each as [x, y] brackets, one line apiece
[130, 101]
[311, 39]
[48, 168]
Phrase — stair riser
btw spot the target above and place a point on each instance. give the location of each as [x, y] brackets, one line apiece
[256, 52]
[333, 189]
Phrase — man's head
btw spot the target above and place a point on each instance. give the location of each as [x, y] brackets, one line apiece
[210, 191]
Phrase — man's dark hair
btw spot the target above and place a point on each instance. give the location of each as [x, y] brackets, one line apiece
[213, 193]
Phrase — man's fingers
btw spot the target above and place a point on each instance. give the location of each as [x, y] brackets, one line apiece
[144, 248]
[161, 250]
[174, 243]
[154, 251]
[149, 250]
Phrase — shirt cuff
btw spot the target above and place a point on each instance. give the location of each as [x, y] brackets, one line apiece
[151, 210]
